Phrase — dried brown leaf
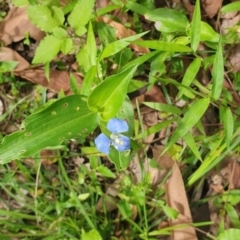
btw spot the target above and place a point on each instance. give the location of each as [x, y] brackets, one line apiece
[59, 80]
[233, 174]
[16, 24]
[7, 54]
[177, 199]
[211, 7]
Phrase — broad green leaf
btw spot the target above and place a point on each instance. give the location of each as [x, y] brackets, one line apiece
[229, 234]
[47, 49]
[189, 120]
[117, 46]
[91, 235]
[231, 7]
[81, 15]
[162, 107]
[163, 46]
[228, 123]
[121, 160]
[168, 20]
[189, 76]
[42, 17]
[208, 34]
[88, 80]
[106, 172]
[218, 73]
[232, 196]
[108, 96]
[196, 27]
[66, 118]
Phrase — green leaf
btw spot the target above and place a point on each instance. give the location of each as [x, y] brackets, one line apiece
[208, 34]
[8, 66]
[60, 33]
[135, 85]
[232, 214]
[88, 80]
[108, 96]
[196, 27]
[121, 160]
[228, 123]
[58, 15]
[189, 120]
[20, 3]
[192, 145]
[47, 49]
[106, 172]
[74, 84]
[66, 46]
[189, 76]
[162, 107]
[154, 129]
[117, 46]
[168, 20]
[170, 212]
[163, 46]
[91, 235]
[91, 46]
[231, 7]
[218, 73]
[66, 118]
[228, 234]
[137, 8]
[42, 17]
[81, 15]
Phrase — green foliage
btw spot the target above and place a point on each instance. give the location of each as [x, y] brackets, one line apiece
[80, 15]
[50, 18]
[103, 98]
[66, 118]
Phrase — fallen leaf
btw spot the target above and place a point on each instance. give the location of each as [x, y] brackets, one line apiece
[7, 54]
[234, 58]
[123, 32]
[233, 175]
[211, 7]
[177, 199]
[59, 80]
[16, 24]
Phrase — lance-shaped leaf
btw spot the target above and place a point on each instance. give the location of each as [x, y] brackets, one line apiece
[66, 118]
[108, 96]
[188, 121]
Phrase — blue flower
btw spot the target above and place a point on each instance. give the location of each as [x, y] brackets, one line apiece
[120, 142]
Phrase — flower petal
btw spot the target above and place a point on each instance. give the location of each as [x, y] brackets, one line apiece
[116, 125]
[103, 143]
[121, 143]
